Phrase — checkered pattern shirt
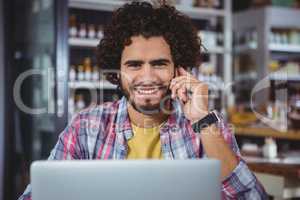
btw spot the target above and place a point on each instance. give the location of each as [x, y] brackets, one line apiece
[101, 132]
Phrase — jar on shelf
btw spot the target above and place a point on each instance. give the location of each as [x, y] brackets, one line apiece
[79, 102]
[82, 31]
[95, 74]
[100, 32]
[80, 73]
[72, 73]
[91, 32]
[87, 69]
[72, 26]
[270, 148]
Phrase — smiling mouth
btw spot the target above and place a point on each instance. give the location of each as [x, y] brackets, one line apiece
[148, 90]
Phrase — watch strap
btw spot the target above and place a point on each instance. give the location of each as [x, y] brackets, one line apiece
[209, 119]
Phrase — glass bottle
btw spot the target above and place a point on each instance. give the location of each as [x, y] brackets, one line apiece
[87, 69]
[80, 104]
[91, 32]
[95, 75]
[82, 31]
[72, 73]
[72, 26]
[80, 74]
[100, 32]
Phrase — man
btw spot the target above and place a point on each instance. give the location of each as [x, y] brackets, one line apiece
[164, 112]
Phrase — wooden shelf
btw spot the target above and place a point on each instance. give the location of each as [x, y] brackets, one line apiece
[267, 132]
[278, 169]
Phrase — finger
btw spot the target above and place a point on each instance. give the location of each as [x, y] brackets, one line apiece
[179, 89]
[176, 86]
[189, 86]
[181, 92]
[176, 79]
[183, 72]
[180, 78]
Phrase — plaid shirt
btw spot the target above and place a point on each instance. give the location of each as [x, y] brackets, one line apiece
[102, 132]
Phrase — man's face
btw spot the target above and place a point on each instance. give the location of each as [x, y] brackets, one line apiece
[146, 71]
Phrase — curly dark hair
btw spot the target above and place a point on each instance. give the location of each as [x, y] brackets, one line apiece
[143, 18]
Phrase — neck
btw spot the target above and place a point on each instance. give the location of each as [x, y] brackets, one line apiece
[146, 121]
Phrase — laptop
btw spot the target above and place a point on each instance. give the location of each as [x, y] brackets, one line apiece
[126, 180]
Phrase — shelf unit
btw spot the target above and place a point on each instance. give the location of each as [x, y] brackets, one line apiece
[195, 13]
[263, 20]
[258, 49]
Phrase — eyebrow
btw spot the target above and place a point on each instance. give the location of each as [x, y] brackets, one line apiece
[159, 61]
[133, 62]
[152, 62]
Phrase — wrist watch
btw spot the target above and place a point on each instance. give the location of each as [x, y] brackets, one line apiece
[209, 119]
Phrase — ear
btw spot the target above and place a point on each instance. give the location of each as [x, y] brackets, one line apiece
[113, 78]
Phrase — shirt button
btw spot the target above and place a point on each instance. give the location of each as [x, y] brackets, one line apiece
[122, 148]
[174, 129]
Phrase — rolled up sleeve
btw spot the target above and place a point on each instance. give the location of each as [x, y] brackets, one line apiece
[242, 184]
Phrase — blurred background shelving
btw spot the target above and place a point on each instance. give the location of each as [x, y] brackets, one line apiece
[266, 57]
[263, 36]
[251, 51]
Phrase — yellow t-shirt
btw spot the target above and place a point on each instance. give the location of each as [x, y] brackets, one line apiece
[145, 143]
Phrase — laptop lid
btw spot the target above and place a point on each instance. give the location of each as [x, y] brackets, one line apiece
[126, 179]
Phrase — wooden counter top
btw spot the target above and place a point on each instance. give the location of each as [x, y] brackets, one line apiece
[267, 132]
[282, 167]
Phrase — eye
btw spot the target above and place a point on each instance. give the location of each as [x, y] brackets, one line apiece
[160, 65]
[134, 65]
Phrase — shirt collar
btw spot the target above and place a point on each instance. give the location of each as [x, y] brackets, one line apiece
[123, 125]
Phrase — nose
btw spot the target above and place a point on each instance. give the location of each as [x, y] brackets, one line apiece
[148, 74]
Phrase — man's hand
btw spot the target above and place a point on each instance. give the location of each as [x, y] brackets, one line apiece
[195, 107]
[192, 93]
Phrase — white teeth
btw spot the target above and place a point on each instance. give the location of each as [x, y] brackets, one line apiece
[147, 91]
